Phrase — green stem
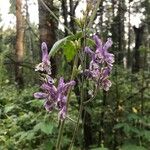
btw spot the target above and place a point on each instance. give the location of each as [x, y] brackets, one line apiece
[60, 134]
[84, 66]
[76, 128]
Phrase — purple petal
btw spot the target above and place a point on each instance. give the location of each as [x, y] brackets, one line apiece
[97, 41]
[40, 95]
[49, 106]
[45, 56]
[108, 44]
[106, 84]
[62, 114]
[89, 51]
[68, 85]
[93, 65]
[61, 84]
[47, 67]
[61, 102]
[51, 90]
[109, 58]
[50, 80]
[105, 72]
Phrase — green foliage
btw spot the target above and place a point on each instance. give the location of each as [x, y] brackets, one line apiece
[63, 42]
[69, 50]
[132, 147]
[21, 120]
[45, 127]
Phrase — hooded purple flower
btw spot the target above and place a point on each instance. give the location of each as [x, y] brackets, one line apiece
[101, 63]
[55, 97]
[45, 65]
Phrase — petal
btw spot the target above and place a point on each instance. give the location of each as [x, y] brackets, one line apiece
[49, 106]
[68, 85]
[93, 65]
[39, 67]
[62, 114]
[60, 85]
[105, 72]
[108, 44]
[40, 95]
[44, 48]
[61, 102]
[97, 41]
[109, 58]
[106, 84]
[89, 51]
[50, 80]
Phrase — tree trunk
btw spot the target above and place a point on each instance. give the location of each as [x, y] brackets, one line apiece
[65, 14]
[47, 28]
[121, 31]
[138, 42]
[19, 44]
[129, 37]
[73, 7]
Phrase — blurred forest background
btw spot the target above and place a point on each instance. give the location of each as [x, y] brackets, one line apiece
[117, 119]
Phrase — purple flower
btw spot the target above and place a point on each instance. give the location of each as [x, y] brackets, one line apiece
[45, 65]
[101, 64]
[106, 84]
[101, 54]
[55, 98]
[49, 105]
[62, 113]
[44, 49]
[40, 95]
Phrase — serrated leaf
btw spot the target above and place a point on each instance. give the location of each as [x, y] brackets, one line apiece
[44, 127]
[58, 45]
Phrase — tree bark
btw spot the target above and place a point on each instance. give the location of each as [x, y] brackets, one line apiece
[138, 42]
[65, 14]
[19, 44]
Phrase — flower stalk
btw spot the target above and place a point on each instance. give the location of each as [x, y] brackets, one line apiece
[60, 134]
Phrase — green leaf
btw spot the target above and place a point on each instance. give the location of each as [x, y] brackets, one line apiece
[132, 147]
[30, 135]
[23, 136]
[69, 50]
[44, 127]
[147, 135]
[119, 125]
[58, 45]
[8, 108]
[100, 148]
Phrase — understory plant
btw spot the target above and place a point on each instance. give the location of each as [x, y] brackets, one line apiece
[92, 63]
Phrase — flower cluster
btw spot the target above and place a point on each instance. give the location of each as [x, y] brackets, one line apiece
[45, 65]
[101, 63]
[55, 97]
